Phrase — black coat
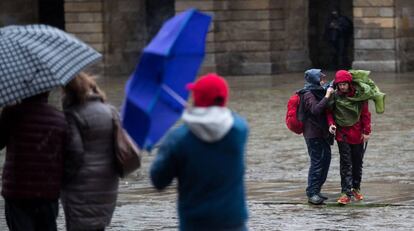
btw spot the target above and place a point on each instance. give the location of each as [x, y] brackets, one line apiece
[34, 133]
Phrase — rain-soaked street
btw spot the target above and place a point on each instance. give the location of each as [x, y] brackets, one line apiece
[277, 166]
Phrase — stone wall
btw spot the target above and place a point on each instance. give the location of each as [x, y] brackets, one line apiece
[254, 37]
[125, 35]
[84, 19]
[404, 11]
[18, 12]
[294, 44]
[374, 35]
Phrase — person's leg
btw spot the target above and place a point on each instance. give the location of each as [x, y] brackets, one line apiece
[341, 54]
[335, 59]
[46, 214]
[345, 165]
[326, 161]
[357, 161]
[315, 151]
[18, 215]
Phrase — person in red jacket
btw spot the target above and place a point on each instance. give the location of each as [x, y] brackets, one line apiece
[350, 121]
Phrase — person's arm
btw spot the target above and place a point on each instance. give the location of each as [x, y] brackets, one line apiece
[331, 121]
[163, 169]
[330, 117]
[365, 121]
[315, 107]
[73, 158]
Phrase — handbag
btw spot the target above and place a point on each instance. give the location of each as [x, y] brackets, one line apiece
[127, 154]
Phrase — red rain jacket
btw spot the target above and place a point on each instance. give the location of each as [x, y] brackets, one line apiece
[353, 134]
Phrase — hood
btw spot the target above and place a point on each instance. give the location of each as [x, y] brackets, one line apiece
[313, 78]
[209, 124]
[360, 74]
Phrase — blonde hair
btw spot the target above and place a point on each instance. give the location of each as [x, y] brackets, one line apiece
[81, 87]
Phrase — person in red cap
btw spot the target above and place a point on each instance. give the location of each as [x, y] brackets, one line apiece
[206, 155]
[350, 121]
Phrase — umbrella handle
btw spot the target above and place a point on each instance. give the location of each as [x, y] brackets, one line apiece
[173, 94]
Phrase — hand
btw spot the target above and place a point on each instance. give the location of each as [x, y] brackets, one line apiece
[329, 92]
[332, 129]
[365, 138]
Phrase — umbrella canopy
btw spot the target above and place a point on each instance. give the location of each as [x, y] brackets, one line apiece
[155, 93]
[37, 58]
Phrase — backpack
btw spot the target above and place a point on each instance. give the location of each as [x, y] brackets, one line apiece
[294, 120]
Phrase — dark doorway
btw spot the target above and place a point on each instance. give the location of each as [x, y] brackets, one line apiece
[51, 12]
[321, 51]
[157, 12]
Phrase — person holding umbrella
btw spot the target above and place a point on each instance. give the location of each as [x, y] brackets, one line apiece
[34, 60]
[34, 133]
[206, 155]
[91, 178]
[350, 121]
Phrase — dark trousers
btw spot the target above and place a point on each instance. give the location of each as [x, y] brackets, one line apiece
[31, 215]
[319, 152]
[351, 158]
[340, 55]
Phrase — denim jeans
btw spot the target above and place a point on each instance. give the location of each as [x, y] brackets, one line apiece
[319, 152]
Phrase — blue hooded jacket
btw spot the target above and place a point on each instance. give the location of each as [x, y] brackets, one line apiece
[209, 166]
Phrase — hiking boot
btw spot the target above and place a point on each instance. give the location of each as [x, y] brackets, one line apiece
[323, 196]
[357, 194]
[344, 199]
[315, 200]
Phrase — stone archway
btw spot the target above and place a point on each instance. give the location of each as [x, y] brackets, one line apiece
[51, 12]
[320, 51]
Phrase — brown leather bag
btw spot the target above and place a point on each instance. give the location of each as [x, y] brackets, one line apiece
[127, 154]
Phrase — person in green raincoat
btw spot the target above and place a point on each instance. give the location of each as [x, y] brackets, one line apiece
[350, 120]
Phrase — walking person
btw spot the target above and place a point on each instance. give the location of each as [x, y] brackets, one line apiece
[90, 188]
[34, 133]
[206, 155]
[350, 121]
[315, 131]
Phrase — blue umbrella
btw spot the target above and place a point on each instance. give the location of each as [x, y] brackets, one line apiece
[155, 93]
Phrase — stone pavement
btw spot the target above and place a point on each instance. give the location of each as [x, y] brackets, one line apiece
[280, 206]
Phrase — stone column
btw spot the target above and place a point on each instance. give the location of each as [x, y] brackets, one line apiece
[374, 35]
[289, 35]
[404, 10]
[84, 19]
[125, 35]
[206, 6]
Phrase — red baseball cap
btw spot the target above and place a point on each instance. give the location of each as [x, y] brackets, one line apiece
[209, 90]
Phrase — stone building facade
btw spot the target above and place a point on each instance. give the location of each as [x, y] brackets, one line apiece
[247, 37]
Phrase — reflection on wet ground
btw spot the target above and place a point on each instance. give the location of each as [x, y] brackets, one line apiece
[277, 165]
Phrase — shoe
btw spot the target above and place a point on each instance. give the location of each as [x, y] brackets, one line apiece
[323, 196]
[344, 199]
[315, 200]
[357, 194]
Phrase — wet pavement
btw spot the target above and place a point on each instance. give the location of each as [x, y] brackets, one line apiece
[277, 165]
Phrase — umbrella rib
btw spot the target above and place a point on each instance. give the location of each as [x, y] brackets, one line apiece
[173, 94]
